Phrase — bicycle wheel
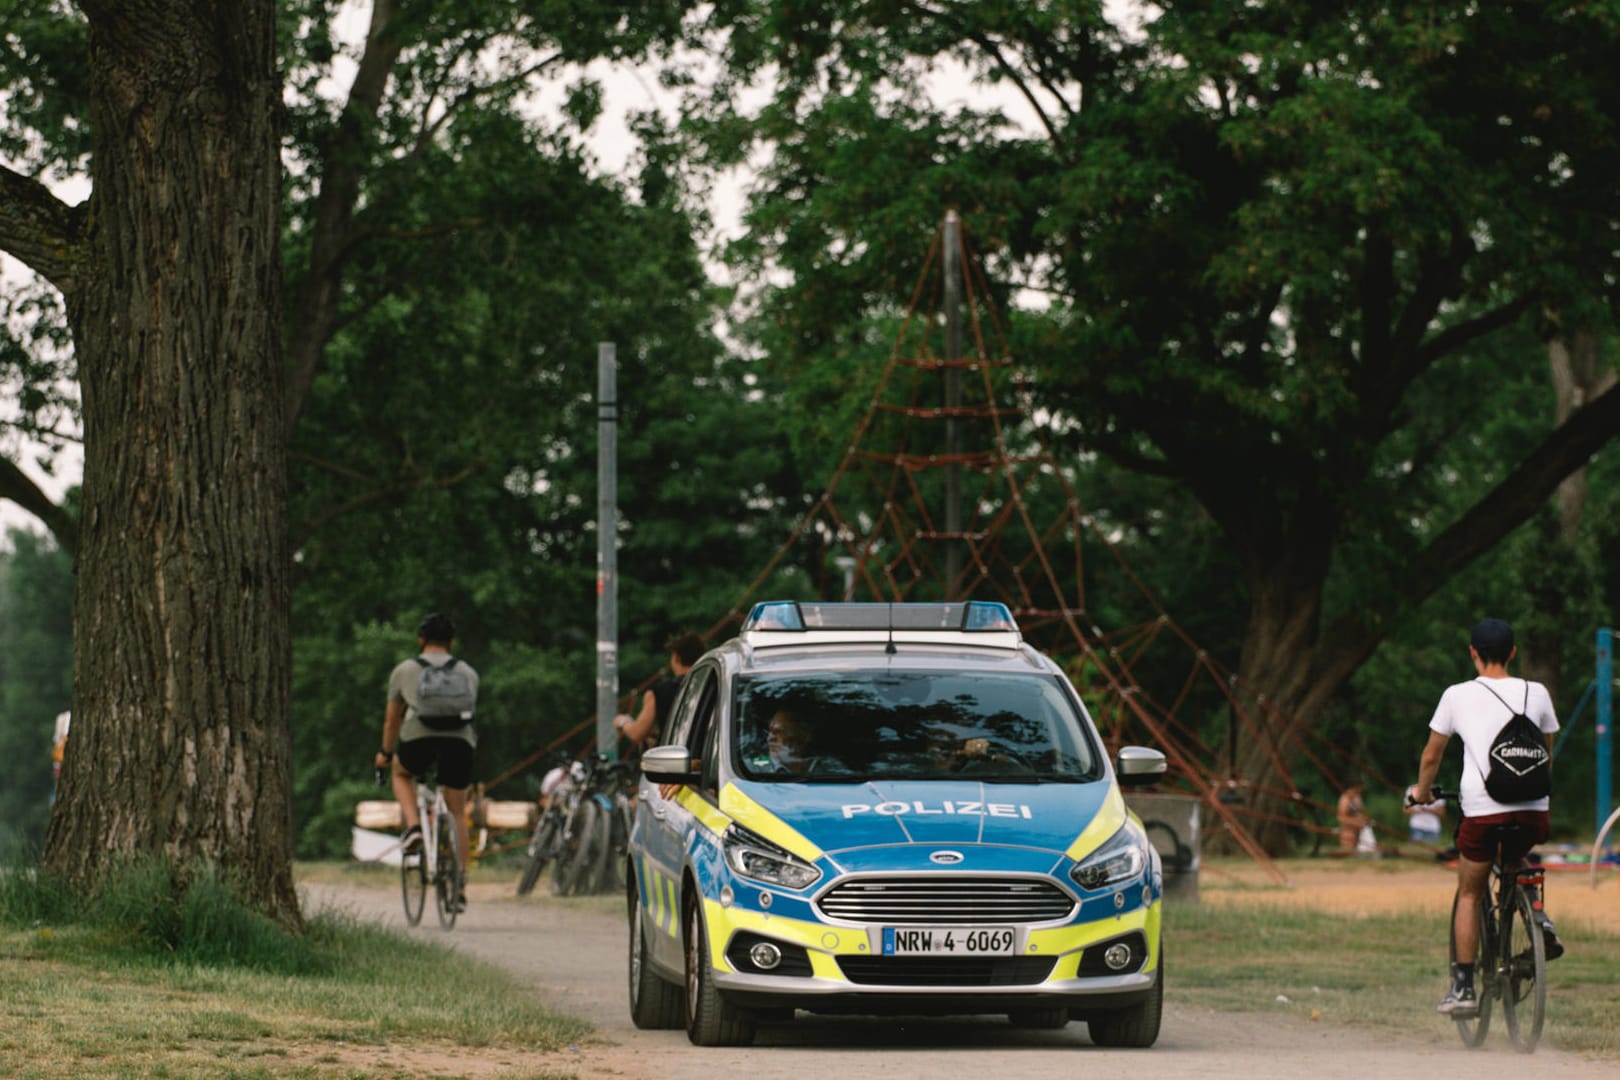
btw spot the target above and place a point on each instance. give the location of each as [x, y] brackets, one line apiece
[1472, 1030]
[610, 854]
[447, 874]
[542, 848]
[1524, 974]
[413, 883]
[577, 859]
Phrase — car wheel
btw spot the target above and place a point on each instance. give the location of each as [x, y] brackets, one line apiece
[655, 1005]
[1135, 1025]
[710, 1019]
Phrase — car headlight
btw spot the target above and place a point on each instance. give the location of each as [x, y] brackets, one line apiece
[1121, 858]
[758, 859]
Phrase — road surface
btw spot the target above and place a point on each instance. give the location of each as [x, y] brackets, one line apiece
[573, 954]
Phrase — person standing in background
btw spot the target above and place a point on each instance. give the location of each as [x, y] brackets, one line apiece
[650, 722]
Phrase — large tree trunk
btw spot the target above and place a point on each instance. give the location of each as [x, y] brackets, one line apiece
[1286, 674]
[180, 744]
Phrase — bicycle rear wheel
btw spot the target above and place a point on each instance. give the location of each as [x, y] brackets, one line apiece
[1472, 1030]
[447, 875]
[413, 883]
[542, 848]
[1524, 975]
[577, 860]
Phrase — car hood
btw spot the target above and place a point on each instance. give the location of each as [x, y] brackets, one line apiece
[840, 819]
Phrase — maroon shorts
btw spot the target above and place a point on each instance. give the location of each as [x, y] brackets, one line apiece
[1479, 837]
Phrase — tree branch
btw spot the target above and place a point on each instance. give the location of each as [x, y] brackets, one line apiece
[41, 230]
[1507, 506]
[316, 305]
[475, 93]
[16, 486]
[1455, 337]
[372, 497]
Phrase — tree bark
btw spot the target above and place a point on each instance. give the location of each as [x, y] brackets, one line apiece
[180, 745]
[1578, 377]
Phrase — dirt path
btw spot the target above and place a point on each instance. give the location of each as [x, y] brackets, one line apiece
[573, 954]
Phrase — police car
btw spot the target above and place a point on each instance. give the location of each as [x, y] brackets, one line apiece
[890, 808]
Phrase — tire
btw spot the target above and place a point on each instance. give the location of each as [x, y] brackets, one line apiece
[576, 861]
[1524, 975]
[615, 848]
[413, 884]
[447, 877]
[710, 1019]
[655, 1003]
[1135, 1025]
[1039, 1019]
[1472, 1031]
[542, 846]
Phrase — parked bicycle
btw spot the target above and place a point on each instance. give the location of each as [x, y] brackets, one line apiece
[559, 793]
[434, 859]
[597, 830]
[1511, 963]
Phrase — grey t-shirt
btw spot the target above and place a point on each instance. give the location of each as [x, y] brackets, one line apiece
[402, 685]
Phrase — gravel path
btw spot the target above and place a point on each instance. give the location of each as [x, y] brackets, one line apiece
[573, 954]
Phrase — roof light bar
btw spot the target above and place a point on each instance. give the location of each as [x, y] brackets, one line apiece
[791, 616]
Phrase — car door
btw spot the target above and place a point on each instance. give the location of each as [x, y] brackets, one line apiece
[663, 824]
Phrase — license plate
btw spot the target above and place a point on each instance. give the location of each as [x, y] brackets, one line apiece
[948, 941]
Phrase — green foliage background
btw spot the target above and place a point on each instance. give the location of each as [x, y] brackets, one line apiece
[445, 456]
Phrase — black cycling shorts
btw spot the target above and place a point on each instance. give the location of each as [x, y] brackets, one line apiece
[452, 757]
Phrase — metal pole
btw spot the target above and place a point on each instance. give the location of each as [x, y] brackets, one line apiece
[1605, 723]
[607, 548]
[953, 401]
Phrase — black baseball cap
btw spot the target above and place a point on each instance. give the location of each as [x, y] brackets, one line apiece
[1491, 635]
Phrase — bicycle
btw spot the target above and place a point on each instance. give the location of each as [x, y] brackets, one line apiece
[596, 808]
[546, 840]
[436, 859]
[1510, 964]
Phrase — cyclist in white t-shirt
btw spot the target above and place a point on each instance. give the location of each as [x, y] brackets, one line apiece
[1475, 711]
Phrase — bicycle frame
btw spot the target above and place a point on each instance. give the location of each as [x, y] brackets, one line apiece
[1510, 974]
[430, 864]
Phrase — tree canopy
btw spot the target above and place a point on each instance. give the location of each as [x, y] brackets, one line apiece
[1281, 249]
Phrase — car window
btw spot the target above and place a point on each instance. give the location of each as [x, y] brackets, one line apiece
[709, 770]
[699, 682]
[885, 725]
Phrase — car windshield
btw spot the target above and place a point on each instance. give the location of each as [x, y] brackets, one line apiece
[844, 727]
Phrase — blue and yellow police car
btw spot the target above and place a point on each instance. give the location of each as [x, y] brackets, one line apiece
[890, 808]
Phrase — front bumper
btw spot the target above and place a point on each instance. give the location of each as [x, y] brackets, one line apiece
[837, 968]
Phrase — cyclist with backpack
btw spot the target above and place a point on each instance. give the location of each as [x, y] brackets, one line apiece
[1506, 725]
[428, 724]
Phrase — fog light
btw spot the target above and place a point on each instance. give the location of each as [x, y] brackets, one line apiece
[766, 956]
[1117, 957]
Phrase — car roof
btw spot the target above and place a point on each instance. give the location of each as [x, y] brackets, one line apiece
[782, 636]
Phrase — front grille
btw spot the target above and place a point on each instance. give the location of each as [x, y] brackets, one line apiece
[946, 970]
[942, 899]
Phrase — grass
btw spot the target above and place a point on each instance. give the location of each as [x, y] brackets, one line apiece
[136, 983]
[148, 980]
[1380, 972]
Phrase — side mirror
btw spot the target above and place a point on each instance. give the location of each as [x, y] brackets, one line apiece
[1136, 766]
[668, 765]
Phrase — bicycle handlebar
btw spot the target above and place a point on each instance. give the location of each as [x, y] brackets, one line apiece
[1436, 794]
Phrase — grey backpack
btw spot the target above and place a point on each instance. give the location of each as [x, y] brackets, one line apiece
[447, 694]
